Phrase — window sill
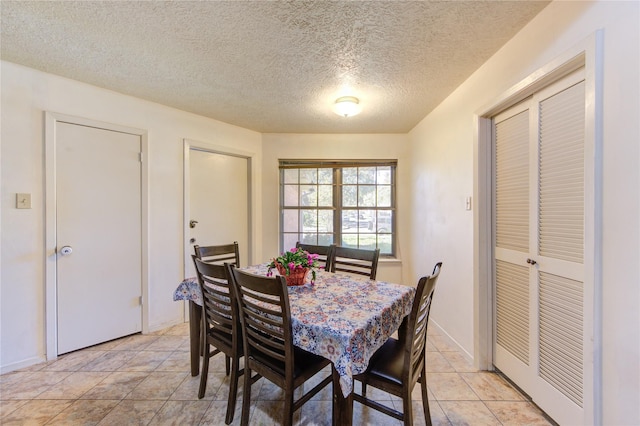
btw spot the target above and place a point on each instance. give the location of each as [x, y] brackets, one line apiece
[389, 260]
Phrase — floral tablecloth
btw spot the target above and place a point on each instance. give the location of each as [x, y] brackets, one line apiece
[341, 317]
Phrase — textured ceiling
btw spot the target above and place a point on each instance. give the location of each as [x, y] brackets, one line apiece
[269, 66]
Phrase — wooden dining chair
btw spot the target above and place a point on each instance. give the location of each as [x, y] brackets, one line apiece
[325, 253]
[220, 254]
[265, 317]
[400, 363]
[355, 261]
[220, 327]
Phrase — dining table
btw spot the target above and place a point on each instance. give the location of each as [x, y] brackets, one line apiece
[342, 317]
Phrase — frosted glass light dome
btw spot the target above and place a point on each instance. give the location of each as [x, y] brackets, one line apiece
[347, 106]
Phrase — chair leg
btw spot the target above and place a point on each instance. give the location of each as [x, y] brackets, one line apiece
[288, 407]
[246, 396]
[233, 390]
[205, 371]
[407, 408]
[425, 397]
[227, 363]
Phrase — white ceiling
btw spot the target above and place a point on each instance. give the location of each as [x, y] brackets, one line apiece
[269, 66]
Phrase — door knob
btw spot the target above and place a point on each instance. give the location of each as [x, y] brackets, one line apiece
[192, 223]
[531, 262]
[66, 250]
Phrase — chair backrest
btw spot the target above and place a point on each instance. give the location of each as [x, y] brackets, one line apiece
[227, 253]
[417, 325]
[220, 309]
[355, 261]
[265, 316]
[325, 253]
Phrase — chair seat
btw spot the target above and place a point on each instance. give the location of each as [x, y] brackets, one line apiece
[303, 362]
[388, 362]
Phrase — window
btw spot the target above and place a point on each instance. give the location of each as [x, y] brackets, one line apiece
[348, 203]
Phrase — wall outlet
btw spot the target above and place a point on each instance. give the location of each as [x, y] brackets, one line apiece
[23, 201]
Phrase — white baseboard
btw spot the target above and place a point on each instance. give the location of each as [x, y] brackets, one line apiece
[21, 364]
[442, 332]
[162, 325]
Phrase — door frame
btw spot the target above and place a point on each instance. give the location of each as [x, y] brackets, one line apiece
[587, 54]
[50, 256]
[188, 145]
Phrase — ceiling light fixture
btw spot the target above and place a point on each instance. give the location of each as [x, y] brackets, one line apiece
[347, 106]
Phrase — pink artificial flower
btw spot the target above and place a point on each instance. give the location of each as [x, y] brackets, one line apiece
[291, 266]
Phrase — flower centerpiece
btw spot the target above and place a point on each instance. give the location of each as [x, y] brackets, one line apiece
[294, 265]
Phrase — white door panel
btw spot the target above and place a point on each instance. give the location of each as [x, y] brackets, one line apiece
[218, 201]
[98, 186]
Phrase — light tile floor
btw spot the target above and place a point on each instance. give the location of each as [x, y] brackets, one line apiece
[146, 380]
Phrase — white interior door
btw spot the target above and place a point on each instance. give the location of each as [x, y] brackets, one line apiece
[218, 202]
[541, 341]
[98, 229]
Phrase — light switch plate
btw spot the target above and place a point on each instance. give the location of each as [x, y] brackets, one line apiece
[23, 201]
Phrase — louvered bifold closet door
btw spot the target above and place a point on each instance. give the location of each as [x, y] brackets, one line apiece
[561, 241]
[540, 251]
[512, 219]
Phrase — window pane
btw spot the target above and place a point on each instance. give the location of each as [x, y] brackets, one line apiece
[325, 176]
[349, 240]
[325, 195]
[349, 220]
[309, 239]
[367, 241]
[366, 196]
[350, 175]
[308, 175]
[291, 195]
[384, 243]
[349, 196]
[309, 220]
[289, 241]
[290, 176]
[325, 220]
[384, 175]
[384, 196]
[385, 221]
[325, 239]
[309, 195]
[366, 219]
[366, 175]
[290, 221]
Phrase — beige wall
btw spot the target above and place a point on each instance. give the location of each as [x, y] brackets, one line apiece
[442, 176]
[26, 94]
[342, 146]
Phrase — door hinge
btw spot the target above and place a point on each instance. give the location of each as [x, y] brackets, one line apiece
[140, 300]
[140, 158]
